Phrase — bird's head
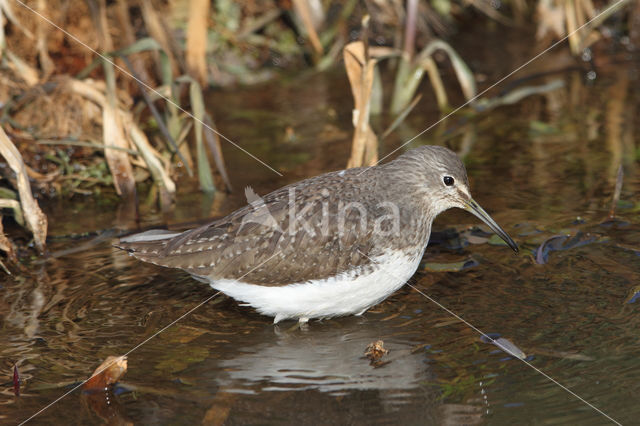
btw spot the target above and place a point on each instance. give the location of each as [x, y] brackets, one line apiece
[439, 178]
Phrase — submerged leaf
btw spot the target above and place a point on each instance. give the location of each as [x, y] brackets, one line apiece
[562, 354]
[560, 243]
[176, 359]
[548, 245]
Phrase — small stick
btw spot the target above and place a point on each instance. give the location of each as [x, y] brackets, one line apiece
[616, 193]
[16, 380]
[365, 36]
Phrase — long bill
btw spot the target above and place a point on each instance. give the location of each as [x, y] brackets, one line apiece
[473, 207]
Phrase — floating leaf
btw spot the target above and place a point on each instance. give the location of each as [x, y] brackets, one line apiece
[375, 351]
[495, 240]
[634, 295]
[504, 345]
[107, 373]
[476, 239]
[451, 267]
[476, 235]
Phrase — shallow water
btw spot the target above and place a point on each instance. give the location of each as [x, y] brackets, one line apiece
[543, 167]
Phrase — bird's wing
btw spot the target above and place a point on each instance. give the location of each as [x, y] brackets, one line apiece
[268, 243]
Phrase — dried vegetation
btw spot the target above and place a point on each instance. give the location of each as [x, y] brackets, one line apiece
[75, 122]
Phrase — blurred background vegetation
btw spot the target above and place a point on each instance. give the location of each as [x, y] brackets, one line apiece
[99, 96]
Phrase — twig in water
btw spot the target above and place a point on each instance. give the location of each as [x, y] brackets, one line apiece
[616, 193]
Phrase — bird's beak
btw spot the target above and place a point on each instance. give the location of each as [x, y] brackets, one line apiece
[473, 207]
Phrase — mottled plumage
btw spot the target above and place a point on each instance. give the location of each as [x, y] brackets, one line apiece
[328, 230]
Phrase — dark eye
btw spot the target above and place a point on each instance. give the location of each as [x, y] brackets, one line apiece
[448, 180]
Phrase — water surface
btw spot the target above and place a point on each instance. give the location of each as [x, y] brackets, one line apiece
[543, 167]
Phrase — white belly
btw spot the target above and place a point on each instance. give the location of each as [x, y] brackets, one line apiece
[347, 294]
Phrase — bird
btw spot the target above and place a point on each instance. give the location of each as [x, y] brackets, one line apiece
[327, 246]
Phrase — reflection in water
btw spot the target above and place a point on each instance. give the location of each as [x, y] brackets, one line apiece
[328, 359]
[545, 167]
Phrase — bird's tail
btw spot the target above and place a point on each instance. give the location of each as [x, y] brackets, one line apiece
[147, 246]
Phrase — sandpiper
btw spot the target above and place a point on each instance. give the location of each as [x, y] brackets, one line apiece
[332, 245]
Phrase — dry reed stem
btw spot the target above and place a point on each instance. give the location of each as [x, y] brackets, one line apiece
[118, 161]
[102, 27]
[150, 155]
[303, 10]
[196, 48]
[614, 123]
[213, 140]
[114, 123]
[128, 38]
[572, 24]
[616, 192]
[430, 66]
[7, 203]
[34, 217]
[550, 19]
[6, 11]
[6, 245]
[364, 149]
[22, 69]
[42, 30]
[156, 29]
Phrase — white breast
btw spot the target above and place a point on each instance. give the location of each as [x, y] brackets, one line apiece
[346, 294]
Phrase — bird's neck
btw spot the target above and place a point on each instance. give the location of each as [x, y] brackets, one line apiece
[415, 214]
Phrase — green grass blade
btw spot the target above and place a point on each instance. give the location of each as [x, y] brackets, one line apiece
[197, 105]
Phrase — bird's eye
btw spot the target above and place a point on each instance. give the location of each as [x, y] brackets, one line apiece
[448, 180]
